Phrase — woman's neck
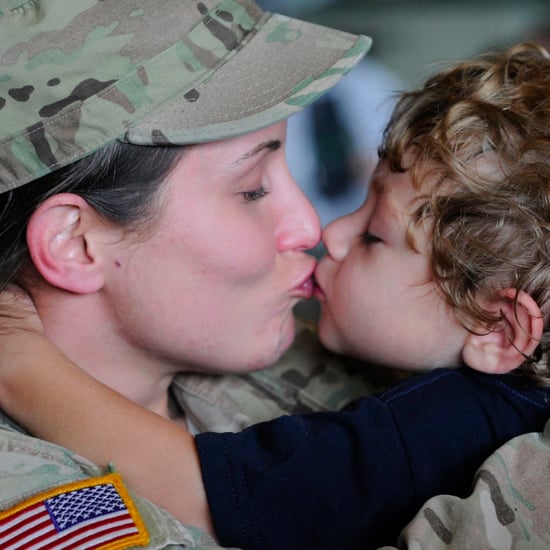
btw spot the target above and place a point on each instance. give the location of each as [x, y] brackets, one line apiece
[82, 332]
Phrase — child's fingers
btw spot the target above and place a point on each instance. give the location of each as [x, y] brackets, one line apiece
[17, 310]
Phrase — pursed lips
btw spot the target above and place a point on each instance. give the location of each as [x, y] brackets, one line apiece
[304, 288]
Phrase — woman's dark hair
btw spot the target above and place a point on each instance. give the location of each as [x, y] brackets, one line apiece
[121, 181]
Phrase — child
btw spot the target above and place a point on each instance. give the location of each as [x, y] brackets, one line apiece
[443, 269]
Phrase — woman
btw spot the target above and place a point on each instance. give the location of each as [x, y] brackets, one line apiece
[473, 395]
[145, 254]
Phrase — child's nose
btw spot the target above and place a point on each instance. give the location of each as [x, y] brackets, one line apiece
[337, 237]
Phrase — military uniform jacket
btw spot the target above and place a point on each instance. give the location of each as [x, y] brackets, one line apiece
[509, 501]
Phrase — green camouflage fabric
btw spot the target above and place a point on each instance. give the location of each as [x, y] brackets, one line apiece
[30, 466]
[76, 75]
[307, 378]
[509, 507]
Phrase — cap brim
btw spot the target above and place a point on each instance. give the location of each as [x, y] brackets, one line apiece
[284, 67]
[171, 72]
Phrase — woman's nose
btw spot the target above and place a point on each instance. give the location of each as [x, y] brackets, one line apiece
[301, 229]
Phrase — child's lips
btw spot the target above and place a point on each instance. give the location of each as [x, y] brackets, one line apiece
[317, 290]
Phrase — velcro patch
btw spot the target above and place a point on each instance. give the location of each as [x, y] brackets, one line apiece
[92, 514]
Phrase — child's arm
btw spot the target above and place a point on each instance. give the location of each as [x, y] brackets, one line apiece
[57, 401]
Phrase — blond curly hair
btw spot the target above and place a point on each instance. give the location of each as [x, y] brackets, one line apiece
[480, 133]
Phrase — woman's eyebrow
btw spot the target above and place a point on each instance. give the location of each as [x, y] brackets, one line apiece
[271, 145]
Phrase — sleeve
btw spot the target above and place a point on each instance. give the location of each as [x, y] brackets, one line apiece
[33, 471]
[282, 484]
[508, 507]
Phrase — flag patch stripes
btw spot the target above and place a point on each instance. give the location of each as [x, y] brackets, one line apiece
[92, 514]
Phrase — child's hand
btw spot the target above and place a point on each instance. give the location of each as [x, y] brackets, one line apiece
[21, 336]
[17, 312]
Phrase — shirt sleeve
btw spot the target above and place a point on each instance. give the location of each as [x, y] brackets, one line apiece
[282, 484]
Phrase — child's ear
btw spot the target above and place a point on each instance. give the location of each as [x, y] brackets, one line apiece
[505, 347]
[62, 240]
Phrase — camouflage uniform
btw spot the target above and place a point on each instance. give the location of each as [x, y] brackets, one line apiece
[30, 467]
[506, 510]
[509, 507]
[306, 379]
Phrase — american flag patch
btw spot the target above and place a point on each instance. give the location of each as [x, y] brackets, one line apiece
[92, 514]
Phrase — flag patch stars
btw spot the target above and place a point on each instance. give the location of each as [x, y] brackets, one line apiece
[92, 514]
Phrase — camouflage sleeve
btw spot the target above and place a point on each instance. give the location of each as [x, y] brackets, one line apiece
[34, 473]
[509, 506]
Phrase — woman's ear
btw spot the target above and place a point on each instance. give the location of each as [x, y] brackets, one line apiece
[61, 237]
[507, 345]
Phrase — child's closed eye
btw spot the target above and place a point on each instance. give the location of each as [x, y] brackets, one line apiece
[368, 238]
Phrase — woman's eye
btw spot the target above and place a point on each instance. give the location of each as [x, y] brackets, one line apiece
[257, 194]
[369, 238]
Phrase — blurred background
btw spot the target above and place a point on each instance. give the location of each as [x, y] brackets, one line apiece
[410, 34]
[332, 146]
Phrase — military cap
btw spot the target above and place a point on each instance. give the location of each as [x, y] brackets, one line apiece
[78, 74]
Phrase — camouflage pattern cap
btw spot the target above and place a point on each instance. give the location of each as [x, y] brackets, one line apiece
[75, 75]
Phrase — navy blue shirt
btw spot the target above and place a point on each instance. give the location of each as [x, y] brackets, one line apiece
[355, 478]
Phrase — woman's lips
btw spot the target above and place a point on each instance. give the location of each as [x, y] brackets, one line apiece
[305, 290]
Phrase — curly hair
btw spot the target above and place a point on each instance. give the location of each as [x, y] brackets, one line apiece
[480, 135]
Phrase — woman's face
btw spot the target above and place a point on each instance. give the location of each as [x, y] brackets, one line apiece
[214, 285]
